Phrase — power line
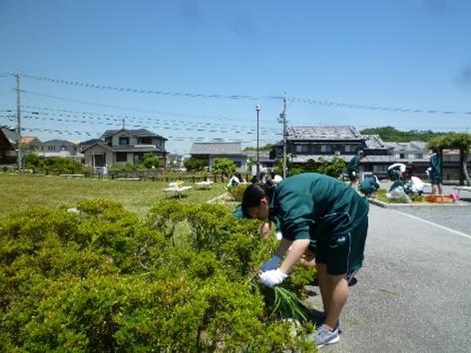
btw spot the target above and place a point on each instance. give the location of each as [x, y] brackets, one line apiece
[145, 91]
[373, 107]
[174, 138]
[310, 101]
[197, 116]
[62, 114]
[164, 127]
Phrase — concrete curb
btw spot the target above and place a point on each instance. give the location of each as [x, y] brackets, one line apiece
[423, 204]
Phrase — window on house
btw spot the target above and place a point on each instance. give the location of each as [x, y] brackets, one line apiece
[146, 140]
[302, 148]
[326, 148]
[379, 168]
[121, 157]
[124, 140]
[402, 155]
[420, 155]
[350, 148]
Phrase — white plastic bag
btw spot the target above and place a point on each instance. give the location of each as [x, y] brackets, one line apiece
[398, 195]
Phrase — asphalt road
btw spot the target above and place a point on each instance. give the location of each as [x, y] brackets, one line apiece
[414, 291]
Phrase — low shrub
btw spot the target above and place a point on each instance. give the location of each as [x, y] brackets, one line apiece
[101, 280]
[237, 192]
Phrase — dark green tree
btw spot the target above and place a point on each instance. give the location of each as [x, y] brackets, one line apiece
[391, 134]
[195, 164]
[150, 160]
[223, 166]
[32, 161]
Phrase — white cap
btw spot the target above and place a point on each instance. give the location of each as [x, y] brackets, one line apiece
[277, 179]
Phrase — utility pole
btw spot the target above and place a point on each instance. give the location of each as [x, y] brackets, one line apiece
[257, 108]
[18, 118]
[283, 118]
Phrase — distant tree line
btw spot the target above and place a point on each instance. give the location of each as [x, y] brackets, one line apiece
[266, 148]
[390, 134]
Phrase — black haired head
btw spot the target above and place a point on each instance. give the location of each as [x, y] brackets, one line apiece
[254, 194]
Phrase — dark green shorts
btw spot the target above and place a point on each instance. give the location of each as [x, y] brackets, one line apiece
[435, 179]
[344, 253]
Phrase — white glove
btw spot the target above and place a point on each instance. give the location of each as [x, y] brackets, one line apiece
[272, 278]
[279, 235]
[354, 174]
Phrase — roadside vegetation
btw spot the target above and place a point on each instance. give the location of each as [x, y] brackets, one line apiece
[103, 280]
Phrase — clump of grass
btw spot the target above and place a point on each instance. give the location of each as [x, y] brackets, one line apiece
[288, 305]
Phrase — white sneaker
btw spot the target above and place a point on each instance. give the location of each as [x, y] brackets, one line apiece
[324, 336]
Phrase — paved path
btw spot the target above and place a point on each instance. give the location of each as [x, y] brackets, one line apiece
[414, 291]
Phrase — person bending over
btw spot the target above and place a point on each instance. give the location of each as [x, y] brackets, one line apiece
[318, 213]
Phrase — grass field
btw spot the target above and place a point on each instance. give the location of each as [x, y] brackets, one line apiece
[20, 192]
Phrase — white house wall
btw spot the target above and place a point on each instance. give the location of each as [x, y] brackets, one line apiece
[98, 150]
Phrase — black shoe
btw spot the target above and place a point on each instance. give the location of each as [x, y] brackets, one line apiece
[352, 281]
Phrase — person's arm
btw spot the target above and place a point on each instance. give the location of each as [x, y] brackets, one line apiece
[265, 230]
[284, 247]
[297, 251]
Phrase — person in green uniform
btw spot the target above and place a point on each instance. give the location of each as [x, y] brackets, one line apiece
[353, 168]
[318, 213]
[396, 171]
[369, 185]
[436, 171]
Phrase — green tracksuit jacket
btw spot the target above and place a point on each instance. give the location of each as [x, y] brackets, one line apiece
[436, 172]
[353, 166]
[317, 207]
[368, 186]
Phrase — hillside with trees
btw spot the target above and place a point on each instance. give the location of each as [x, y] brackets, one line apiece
[391, 134]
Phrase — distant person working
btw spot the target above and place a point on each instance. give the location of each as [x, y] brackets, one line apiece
[353, 168]
[236, 180]
[435, 173]
[396, 171]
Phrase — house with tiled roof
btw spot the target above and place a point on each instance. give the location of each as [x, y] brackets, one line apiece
[51, 148]
[210, 151]
[124, 146]
[306, 143]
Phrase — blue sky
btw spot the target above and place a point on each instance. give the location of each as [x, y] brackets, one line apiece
[174, 67]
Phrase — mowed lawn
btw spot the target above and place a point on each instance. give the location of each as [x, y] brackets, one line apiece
[20, 192]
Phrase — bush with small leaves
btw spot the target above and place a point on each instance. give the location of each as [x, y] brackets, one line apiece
[101, 280]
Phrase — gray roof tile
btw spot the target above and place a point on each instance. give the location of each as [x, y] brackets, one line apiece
[137, 133]
[218, 148]
[349, 133]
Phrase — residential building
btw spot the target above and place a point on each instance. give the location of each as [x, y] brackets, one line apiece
[413, 151]
[306, 143]
[176, 161]
[31, 144]
[311, 142]
[209, 152]
[124, 146]
[267, 164]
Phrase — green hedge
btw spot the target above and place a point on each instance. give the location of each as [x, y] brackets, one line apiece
[101, 280]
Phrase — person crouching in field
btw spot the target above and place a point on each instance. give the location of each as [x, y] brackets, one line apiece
[369, 185]
[325, 215]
